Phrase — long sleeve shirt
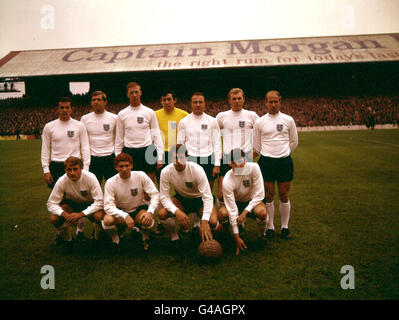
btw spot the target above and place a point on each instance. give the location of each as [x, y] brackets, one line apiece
[86, 189]
[236, 129]
[123, 196]
[101, 132]
[243, 186]
[201, 135]
[275, 136]
[62, 139]
[190, 183]
[137, 127]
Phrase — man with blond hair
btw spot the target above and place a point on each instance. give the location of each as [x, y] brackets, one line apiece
[76, 195]
[138, 134]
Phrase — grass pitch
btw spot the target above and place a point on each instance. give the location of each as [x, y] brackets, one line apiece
[345, 211]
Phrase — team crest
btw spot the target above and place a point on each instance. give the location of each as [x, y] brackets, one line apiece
[106, 127]
[204, 126]
[279, 127]
[140, 120]
[70, 134]
[133, 192]
[246, 183]
[241, 124]
[84, 193]
[189, 184]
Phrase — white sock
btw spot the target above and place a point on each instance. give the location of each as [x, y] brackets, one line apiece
[65, 232]
[80, 225]
[196, 220]
[96, 230]
[285, 209]
[270, 215]
[261, 226]
[112, 231]
[170, 226]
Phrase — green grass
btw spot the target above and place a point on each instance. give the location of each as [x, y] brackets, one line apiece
[345, 211]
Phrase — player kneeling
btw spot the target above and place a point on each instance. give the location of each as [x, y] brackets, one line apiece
[243, 192]
[124, 201]
[77, 194]
[193, 195]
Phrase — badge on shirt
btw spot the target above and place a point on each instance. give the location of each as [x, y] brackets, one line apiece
[70, 133]
[140, 120]
[173, 125]
[84, 193]
[106, 127]
[241, 124]
[279, 127]
[204, 126]
[133, 192]
[189, 185]
[246, 183]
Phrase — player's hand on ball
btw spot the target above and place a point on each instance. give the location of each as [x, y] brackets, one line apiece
[205, 231]
[240, 245]
[182, 219]
[129, 222]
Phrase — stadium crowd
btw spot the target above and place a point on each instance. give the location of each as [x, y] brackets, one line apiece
[24, 117]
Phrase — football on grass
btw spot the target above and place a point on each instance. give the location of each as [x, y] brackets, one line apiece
[210, 249]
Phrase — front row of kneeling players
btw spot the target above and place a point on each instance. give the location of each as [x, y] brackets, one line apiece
[78, 194]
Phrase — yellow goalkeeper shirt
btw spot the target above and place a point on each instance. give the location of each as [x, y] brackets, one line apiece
[168, 123]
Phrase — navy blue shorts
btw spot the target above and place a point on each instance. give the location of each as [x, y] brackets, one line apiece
[144, 159]
[190, 205]
[103, 167]
[224, 168]
[276, 169]
[207, 163]
[76, 207]
[57, 170]
[135, 212]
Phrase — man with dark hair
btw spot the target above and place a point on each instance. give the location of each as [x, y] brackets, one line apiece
[275, 138]
[76, 195]
[62, 138]
[200, 133]
[193, 194]
[124, 201]
[243, 193]
[100, 125]
[168, 118]
[138, 134]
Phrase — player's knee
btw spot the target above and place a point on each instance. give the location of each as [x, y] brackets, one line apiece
[284, 197]
[98, 216]
[162, 214]
[108, 220]
[261, 213]
[55, 220]
[223, 214]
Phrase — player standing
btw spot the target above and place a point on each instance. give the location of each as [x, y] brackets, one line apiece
[100, 125]
[62, 138]
[275, 138]
[138, 134]
[236, 127]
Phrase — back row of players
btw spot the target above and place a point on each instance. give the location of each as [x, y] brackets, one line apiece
[180, 150]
